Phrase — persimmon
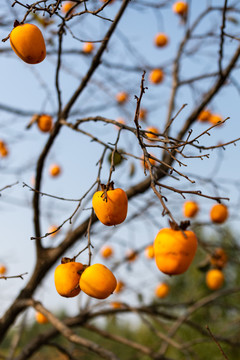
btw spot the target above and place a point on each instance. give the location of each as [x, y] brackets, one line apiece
[3, 269]
[162, 290]
[67, 276]
[219, 258]
[142, 114]
[97, 281]
[145, 164]
[190, 209]
[174, 250]
[88, 47]
[180, 8]
[116, 304]
[156, 76]
[154, 130]
[122, 97]
[219, 213]
[40, 318]
[110, 205]
[107, 252]
[55, 170]
[45, 122]
[149, 252]
[53, 229]
[3, 149]
[120, 286]
[66, 6]
[28, 43]
[214, 279]
[215, 119]
[204, 115]
[161, 40]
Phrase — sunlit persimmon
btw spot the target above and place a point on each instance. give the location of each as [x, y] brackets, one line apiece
[215, 119]
[180, 8]
[204, 115]
[98, 281]
[40, 318]
[28, 43]
[154, 130]
[106, 252]
[120, 286]
[219, 213]
[122, 97]
[142, 114]
[55, 170]
[190, 209]
[110, 206]
[116, 304]
[66, 6]
[3, 269]
[45, 122]
[214, 279]
[161, 40]
[145, 164]
[219, 258]
[3, 149]
[162, 290]
[53, 230]
[149, 252]
[174, 250]
[88, 47]
[156, 76]
[66, 278]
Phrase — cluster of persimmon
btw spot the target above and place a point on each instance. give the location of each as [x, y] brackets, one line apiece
[206, 116]
[110, 206]
[96, 280]
[218, 213]
[3, 149]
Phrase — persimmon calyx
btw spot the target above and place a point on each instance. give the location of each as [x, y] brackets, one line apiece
[182, 226]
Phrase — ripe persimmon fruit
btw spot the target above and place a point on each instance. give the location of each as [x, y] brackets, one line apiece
[190, 209]
[110, 205]
[67, 276]
[156, 76]
[219, 213]
[28, 43]
[214, 279]
[162, 290]
[174, 250]
[97, 281]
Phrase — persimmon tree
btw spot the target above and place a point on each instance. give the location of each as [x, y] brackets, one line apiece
[133, 95]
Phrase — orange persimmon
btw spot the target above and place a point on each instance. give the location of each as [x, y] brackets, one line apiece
[67, 276]
[45, 122]
[28, 43]
[40, 318]
[214, 279]
[180, 8]
[219, 258]
[162, 290]
[161, 40]
[204, 115]
[106, 252]
[174, 250]
[3, 269]
[122, 97]
[88, 47]
[219, 213]
[111, 205]
[97, 281]
[149, 252]
[54, 170]
[120, 286]
[156, 76]
[190, 209]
